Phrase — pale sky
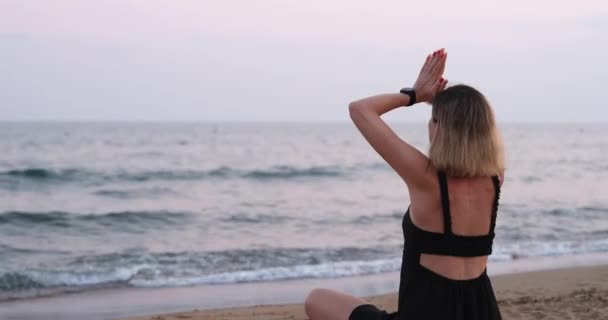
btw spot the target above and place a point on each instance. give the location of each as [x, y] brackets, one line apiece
[294, 60]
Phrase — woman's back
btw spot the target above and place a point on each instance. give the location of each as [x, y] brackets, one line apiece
[443, 272]
[471, 205]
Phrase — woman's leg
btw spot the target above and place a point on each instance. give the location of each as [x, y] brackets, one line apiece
[326, 304]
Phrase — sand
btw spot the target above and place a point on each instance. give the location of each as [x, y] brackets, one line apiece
[571, 293]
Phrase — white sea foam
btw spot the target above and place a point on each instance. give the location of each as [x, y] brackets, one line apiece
[87, 278]
[159, 275]
[324, 270]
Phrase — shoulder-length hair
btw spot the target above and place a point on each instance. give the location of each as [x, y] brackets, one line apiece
[467, 142]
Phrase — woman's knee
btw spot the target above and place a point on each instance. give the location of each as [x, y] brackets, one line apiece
[327, 304]
[313, 300]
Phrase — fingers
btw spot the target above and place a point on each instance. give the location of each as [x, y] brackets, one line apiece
[438, 64]
[427, 62]
[445, 59]
[439, 85]
[442, 83]
[432, 71]
[435, 64]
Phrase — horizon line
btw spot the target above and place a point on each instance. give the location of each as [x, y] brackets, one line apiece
[83, 121]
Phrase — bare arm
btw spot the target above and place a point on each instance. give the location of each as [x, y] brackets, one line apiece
[406, 160]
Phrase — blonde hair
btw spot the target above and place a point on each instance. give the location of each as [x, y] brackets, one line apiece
[467, 142]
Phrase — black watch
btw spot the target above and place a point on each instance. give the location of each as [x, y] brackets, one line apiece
[410, 92]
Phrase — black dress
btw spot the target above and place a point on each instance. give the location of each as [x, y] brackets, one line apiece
[424, 294]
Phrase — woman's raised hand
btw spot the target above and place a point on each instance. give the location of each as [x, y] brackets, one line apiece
[430, 80]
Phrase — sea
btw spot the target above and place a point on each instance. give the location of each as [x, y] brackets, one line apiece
[85, 206]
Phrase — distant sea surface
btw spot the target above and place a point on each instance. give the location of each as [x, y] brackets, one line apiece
[84, 206]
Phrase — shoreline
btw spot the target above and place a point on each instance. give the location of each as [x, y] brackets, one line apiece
[577, 293]
[142, 302]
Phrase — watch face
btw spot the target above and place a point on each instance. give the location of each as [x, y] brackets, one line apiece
[407, 90]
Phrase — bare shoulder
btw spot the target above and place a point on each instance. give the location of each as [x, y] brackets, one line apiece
[424, 193]
[427, 179]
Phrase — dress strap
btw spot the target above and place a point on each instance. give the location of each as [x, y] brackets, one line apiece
[445, 202]
[495, 207]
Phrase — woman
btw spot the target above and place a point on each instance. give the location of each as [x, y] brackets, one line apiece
[449, 226]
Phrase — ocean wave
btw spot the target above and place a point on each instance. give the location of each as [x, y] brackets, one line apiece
[174, 269]
[142, 268]
[585, 211]
[6, 249]
[248, 218]
[48, 175]
[67, 219]
[527, 249]
[135, 193]
[42, 174]
[380, 217]
[145, 275]
[286, 172]
[324, 270]
[30, 284]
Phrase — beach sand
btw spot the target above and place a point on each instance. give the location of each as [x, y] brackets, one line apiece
[571, 293]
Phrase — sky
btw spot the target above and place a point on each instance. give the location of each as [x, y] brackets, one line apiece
[294, 60]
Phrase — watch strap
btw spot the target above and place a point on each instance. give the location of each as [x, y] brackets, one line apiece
[411, 93]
